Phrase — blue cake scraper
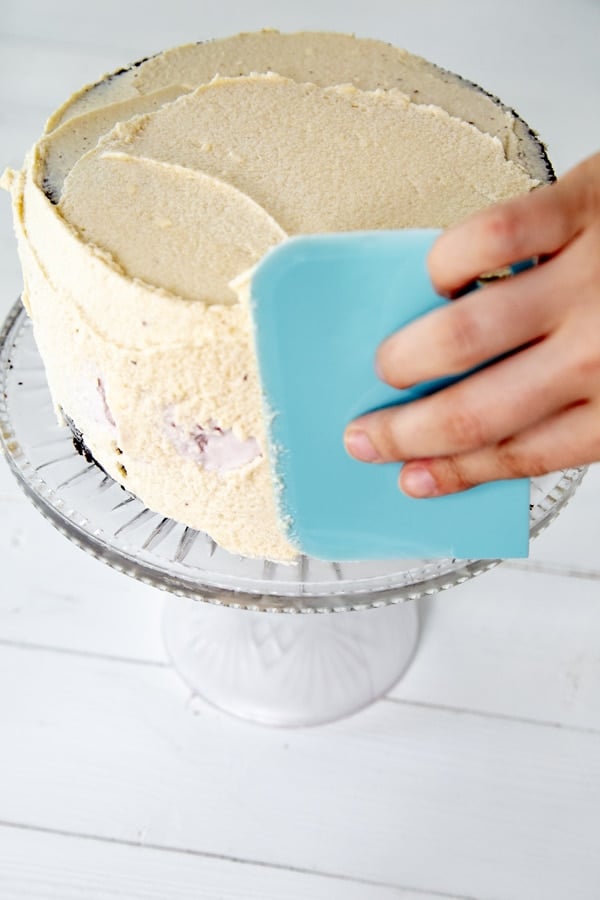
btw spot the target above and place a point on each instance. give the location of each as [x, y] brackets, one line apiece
[321, 305]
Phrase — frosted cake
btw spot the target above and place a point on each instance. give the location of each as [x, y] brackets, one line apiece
[151, 191]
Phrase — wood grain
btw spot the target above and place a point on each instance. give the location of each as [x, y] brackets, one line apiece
[37, 865]
[399, 795]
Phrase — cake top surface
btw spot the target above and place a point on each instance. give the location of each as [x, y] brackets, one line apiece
[182, 170]
[188, 166]
[208, 182]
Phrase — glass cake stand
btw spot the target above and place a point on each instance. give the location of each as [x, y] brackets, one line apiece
[295, 669]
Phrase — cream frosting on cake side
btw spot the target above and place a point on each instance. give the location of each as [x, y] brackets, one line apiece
[150, 192]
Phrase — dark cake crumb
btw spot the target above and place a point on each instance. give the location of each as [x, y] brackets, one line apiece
[50, 191]
[79, 442]
[121, 71]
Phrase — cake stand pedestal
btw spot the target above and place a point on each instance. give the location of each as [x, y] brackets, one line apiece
[300, 667]
[289, 670]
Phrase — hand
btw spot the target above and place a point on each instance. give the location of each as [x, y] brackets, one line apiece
[537, 410]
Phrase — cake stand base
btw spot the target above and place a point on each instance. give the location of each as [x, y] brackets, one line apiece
[289, 670]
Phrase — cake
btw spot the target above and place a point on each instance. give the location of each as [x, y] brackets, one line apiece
[152, 191]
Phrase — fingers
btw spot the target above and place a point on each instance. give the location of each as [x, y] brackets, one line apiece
[569, 438]
[484, 408]
[485, 324]
[531, 412]
[534, 224]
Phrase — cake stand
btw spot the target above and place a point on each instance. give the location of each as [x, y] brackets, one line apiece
[295, 669]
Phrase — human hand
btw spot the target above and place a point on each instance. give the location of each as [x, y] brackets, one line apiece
[533, 412]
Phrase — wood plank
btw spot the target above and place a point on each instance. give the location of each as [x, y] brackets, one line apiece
[437, 801]
[512, 644]
[45, 866]
[67, 599]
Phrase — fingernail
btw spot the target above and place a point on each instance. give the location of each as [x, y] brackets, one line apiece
[418, 482]
[358, 445]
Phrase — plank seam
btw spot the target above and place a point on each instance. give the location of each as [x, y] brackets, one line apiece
[223, 857]
[519, 720]
[421, 704]
[535, 567]
[85, 654]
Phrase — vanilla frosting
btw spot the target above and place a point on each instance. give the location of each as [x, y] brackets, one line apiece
[150, 192]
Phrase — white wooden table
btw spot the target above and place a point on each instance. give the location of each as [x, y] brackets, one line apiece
[477, 777]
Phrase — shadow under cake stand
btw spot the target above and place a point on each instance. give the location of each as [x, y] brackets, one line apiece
[297, 668]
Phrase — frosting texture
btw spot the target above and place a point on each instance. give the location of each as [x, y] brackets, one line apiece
[153, 191]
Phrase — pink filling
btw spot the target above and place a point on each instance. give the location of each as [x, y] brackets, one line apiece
[212, 447]
[105, 406]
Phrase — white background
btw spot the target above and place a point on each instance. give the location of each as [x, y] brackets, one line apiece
[479, 776]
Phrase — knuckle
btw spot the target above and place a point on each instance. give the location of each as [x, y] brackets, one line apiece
[460, 340]
[504, 230]
[466, 430]
[586, 452]
[594, 454]
[388, 437]
[455, 475]
[588, 180]
[513, 464]
[586, 369]
[580, 369]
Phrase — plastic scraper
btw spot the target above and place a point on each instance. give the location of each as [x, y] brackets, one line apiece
[321, 305]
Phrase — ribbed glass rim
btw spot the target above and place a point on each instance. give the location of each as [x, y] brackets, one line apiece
[169, 556]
